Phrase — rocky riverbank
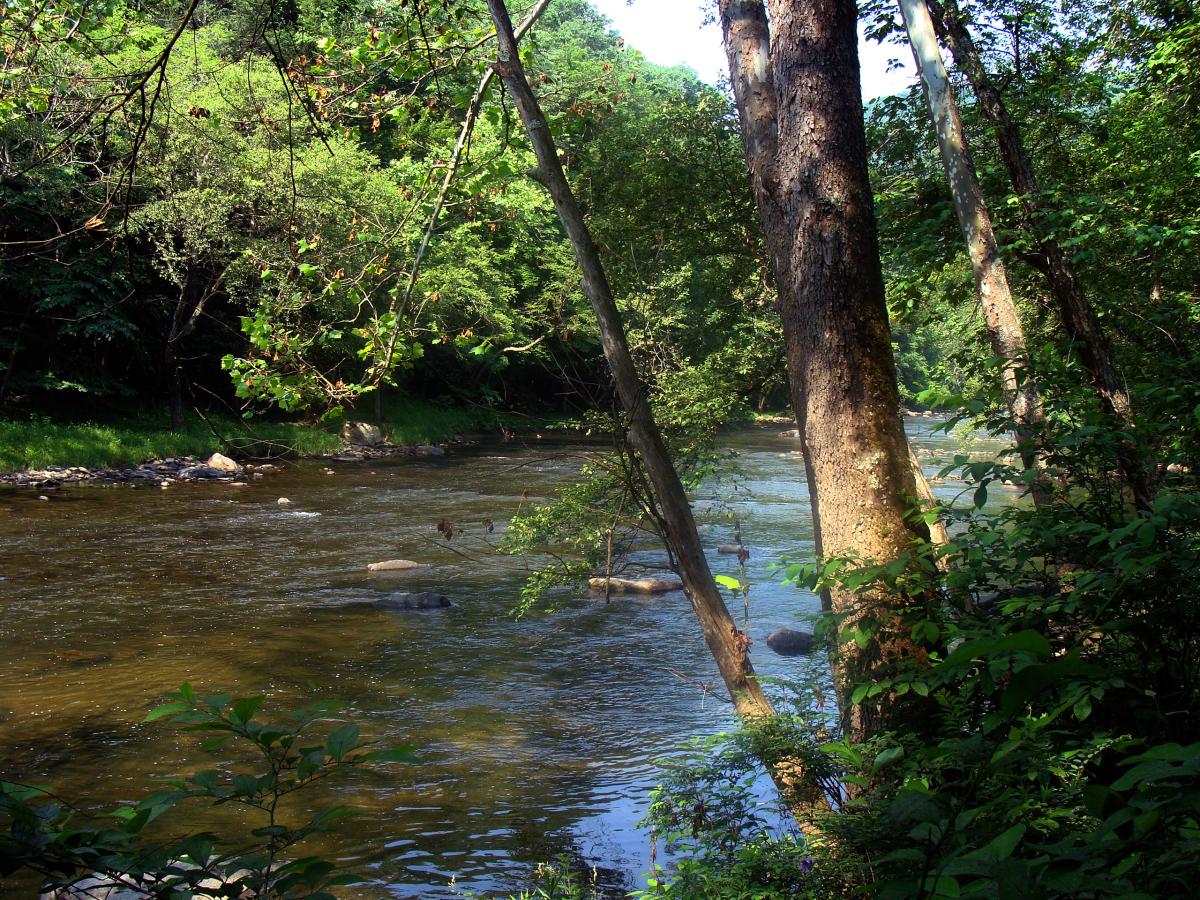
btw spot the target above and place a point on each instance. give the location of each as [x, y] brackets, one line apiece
[215, 468]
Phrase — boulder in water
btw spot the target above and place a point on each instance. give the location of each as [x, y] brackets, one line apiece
[415, 600]
[729, 548]
[362, 434]
[223, 463]
[653, 585]
[396, 565]
[787, 642]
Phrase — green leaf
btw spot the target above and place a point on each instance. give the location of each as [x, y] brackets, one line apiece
[167, 709]
[725, 581]
[1000, 847]
[342, 741]
[396, 754]
[887, 757]
[245, 708]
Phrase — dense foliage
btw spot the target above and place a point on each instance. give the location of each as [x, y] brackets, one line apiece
[247, 190]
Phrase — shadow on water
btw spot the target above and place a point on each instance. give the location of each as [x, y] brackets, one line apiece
[537, 737]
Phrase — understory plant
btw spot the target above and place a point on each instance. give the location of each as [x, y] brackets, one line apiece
[1044, 742]
[262, 762]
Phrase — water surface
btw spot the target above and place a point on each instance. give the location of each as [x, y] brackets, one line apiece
[537, 737]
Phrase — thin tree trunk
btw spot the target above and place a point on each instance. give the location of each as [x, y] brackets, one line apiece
[999, 311]
[16, 346]
[727, 644]
[460, 147]
[1078, 318]
[831, 296]
[193, 296]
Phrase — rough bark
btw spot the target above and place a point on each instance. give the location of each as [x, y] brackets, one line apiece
[748, 51]
[1003, 323]
[1076, 313]
[727, 644]
[831, 297]
[747, 37]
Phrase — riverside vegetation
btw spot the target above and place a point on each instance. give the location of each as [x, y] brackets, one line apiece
[299, 209]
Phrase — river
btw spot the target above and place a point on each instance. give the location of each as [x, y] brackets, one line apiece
[536, 737]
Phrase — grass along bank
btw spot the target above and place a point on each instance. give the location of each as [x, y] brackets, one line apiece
[39, 441]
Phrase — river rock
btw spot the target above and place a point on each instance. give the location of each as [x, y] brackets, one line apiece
[654, 585]
[429, 450]
[202, 473]
[101, 887]
[396, 565]
[362, 434]
[283, 501]
[787, 642]
[790, 433]
[414, 600]
[728, 548]
[223, 463]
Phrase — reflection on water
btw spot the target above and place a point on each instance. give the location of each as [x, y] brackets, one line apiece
[537, 737]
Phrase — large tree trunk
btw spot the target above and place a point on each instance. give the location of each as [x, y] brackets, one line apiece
[727, 644]
[1004, 329]
[817, 209]
[1077, 316]
[747, 39]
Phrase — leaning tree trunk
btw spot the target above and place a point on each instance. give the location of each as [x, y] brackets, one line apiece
[1003, 323]
[1078, 318]
[727, 644]
[831, 298]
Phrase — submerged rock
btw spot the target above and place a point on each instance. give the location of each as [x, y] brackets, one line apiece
[787, 642]
[396, 565]
[414, 600]
[202, 473]
[428, 450]
[653, 585]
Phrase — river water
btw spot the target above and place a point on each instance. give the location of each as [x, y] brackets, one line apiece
[536, 737]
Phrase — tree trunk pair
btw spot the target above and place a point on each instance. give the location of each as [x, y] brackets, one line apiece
[1003, 322]
[1078, 318]
[796, 85]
